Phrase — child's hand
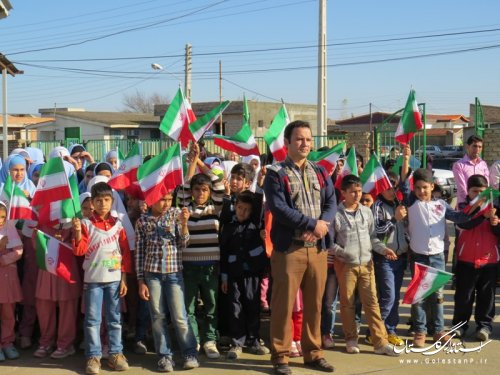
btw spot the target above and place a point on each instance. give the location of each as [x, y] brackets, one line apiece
[400, 213]
[3, 243]
[227, 186]
[263, 235]
[406, 152]
[390, 254]
[123, 288]
[494, 221]
[77, 224]
[223, 287]
[87, 156]
[26, 193]
[184, 216]
[490, 213]
[143, 291]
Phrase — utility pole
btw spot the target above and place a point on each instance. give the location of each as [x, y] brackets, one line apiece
[221, 126]
[322, 106]
[187, 72]
[371, 129]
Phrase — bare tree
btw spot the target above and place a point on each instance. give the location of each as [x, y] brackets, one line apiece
[142, 103]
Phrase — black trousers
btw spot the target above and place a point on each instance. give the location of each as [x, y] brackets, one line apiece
[475, 284]
[244, 301]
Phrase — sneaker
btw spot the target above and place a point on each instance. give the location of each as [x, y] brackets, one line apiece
[260, 350]
[482, 335]
[93, 366]
[166, 364]
[61, 353]
[443, 337]
[25, 342]
[352, 347]
[419, 339]
[105, 352]
[210, 349]
[395, 339]
[368, 340]
[387, 349]
[42, 351]
[2, 356]
[295, 350]
[282, 369]
[140, 348]
[118, 362]
[327, 341]
[234, 352]
[190, 362]
[11, 352]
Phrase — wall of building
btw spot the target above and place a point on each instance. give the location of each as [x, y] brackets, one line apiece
[491, 145]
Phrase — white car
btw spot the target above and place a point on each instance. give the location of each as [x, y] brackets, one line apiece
[446, 180]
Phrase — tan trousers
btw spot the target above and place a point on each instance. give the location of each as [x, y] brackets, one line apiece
[303, 267]
[362, 278]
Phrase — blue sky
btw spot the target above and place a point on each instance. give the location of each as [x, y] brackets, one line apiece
[223, 29]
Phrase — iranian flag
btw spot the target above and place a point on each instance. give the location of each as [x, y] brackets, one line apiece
[485, 201]
[350, 167]
[126, 174]
[205, 122]
[176, 121]
[61, 212]
[55, 257]
[410, 122]
[426, 280]
[328, 158]
[53, 183]
[275, 135]
[160, 175]
[374, 178]
[18, 206]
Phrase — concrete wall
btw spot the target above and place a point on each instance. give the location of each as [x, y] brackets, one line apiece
[491, 145]
[362, 142]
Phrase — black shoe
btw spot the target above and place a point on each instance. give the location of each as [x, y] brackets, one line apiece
[320, 365]
[282, 369]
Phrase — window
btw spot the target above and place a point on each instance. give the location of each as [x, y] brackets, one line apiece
[155, 134]
[115, 132]
[133, 133]
[260, 123]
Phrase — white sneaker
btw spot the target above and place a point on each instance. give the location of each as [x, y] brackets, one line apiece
[327, 341]
[352, 347]
[387, 349]
[210, 349]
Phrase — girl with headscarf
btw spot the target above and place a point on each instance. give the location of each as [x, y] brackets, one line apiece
[82, 158]
[103, 169]
[112, 158]
[89, 174]
[34, 172]
[254, 161]
[16, 166]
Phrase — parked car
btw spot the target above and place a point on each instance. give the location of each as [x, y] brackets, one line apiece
[444, 163]
[431, 150]
[446, 180]
[452, 151]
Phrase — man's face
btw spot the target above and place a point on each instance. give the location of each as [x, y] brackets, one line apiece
[299, 145]
[474, 150]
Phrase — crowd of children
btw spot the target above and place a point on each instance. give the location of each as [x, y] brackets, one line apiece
[198, 258]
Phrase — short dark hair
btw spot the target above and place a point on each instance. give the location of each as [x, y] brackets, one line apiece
[91, 167]
[244, 170]
[200, 179]
[393, 177]
[101, 189]
[294, 124]
[245, 197]
[424, 175]
[477, 180]
[350, 180]
[473, 139]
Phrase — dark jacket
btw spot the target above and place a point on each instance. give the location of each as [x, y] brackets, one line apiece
[286, 218]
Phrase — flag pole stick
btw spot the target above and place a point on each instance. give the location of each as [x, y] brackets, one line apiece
[10, 199]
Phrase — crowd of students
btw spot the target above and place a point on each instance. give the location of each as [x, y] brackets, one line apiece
[199, 258]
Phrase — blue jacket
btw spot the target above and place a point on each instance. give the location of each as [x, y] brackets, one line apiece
[286, 218]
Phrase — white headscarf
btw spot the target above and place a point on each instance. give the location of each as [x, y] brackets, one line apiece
[248, 159]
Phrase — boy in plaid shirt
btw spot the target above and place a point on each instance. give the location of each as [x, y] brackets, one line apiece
[161, 234]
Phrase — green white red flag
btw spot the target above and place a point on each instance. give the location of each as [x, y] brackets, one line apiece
[374, 178]
[410, 121]
[126, 174]
[53, 183]
[350, 166]
[205, 122]
[176, 121]
[18, 206]
[161, 174]
[274, 137]
[487, 197]
[55, 257]
[243, 142]
[63, 211]
[426, 280]
[328, 158]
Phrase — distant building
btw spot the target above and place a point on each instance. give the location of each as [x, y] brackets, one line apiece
[18, 126]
